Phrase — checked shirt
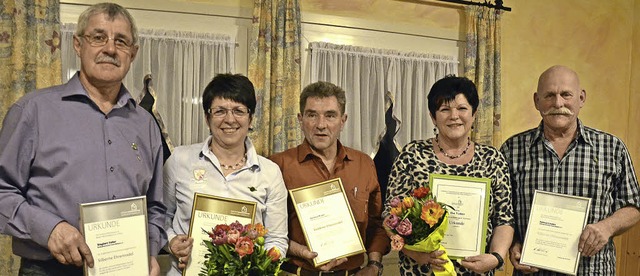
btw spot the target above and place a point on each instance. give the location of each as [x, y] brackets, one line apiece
[596, 165]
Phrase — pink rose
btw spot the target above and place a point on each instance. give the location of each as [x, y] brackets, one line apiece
[232, 236]
[391, 221]
[237, 226]
[397, 242]
[244, 246]
[404, 228]
[394, 202]
[220, 239]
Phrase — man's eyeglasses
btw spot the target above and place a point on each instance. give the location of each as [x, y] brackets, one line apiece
[99, 40]
[237, 112]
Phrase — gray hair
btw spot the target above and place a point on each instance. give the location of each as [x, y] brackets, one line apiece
[111, 10]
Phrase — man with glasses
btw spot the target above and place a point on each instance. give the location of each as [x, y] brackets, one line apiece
[84, 141]
[322, 157]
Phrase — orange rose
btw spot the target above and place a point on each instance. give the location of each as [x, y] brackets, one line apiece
[396, 211]
[431, 212]
[421, 192]
[274, 254]
[407, 202]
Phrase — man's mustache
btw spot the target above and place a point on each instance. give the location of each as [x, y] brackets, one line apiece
[107, 59]
[558, 111]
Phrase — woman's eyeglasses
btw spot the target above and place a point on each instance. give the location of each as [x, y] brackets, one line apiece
[237, 112]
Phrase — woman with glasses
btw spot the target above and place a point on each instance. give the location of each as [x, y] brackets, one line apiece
[226, 165]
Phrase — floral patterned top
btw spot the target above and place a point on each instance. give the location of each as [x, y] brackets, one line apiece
[412, 168]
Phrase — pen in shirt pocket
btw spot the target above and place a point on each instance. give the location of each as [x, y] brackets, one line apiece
[355, 192]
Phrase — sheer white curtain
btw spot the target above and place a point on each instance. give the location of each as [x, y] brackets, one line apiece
[181, 64]
[369, 76]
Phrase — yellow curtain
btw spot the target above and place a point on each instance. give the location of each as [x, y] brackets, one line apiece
[274, 69]
[29, 59]
[482, 66]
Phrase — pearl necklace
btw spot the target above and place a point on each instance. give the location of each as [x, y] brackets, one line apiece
[236, 165]
[453, 156]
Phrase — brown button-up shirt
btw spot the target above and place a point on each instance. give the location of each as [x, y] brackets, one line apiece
[300, 167]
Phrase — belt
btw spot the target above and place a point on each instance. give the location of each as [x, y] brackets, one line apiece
[301, 271]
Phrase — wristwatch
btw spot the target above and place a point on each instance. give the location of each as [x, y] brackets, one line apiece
[378, 264]
[500, 259]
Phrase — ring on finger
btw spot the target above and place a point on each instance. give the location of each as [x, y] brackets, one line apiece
[180, 260]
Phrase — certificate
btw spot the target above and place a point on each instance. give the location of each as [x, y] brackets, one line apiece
[116, 233]
[469, 197]
[327, 221]
[207, 212]
[555, 225]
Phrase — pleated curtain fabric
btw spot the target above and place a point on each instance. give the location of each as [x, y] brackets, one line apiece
[482, 65]
[274, 69]
[29, 60]
[375, 79]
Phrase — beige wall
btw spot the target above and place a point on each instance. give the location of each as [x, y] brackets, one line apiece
[593, 37]
[590, 36]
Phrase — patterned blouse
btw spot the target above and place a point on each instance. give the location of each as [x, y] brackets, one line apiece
[412, 168]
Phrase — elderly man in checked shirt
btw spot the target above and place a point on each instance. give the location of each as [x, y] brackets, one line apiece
[562, 155]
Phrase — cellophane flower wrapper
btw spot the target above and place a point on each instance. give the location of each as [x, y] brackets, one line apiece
[432, 243]
[418, 222]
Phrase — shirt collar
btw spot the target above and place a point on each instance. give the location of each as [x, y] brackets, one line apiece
[74, 88]
[583, 135]
[305, 152]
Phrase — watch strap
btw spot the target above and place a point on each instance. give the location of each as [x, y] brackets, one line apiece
[378, 264]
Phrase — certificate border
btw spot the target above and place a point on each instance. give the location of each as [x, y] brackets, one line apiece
[574, 271]
[337, 181]
[197, 197]
[106, 203]
[201, 196]
[485, 213]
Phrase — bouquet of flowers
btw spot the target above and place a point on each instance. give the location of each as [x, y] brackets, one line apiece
[239, 250]
[418, 223]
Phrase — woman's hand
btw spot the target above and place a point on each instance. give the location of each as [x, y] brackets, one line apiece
[481, 263]
[427, 258]
[180, 247]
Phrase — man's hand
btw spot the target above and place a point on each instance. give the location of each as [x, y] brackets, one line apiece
[180, 247]
[594, 237]
[514, 255]
[154, 267]
[481, 263]
[424, 258]
[67, 245]
[302, 251]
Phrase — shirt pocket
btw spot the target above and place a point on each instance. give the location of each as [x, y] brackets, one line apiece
[359, 203]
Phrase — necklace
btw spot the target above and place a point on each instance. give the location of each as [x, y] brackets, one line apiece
[236, 165]
[453, 156]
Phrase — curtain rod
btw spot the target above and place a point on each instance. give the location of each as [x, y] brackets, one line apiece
[486, 3]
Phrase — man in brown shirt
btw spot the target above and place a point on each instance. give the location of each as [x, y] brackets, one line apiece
[322, 157]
